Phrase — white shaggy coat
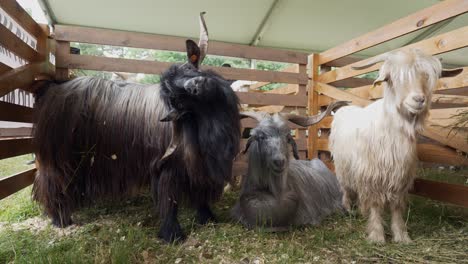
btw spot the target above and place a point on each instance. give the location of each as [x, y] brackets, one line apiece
[374, 148]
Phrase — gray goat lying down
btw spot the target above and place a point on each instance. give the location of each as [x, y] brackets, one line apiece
[279, 192]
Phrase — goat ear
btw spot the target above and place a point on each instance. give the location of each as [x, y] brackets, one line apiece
[451, 72]
[294, 146]
[193, 52]
[382, 78]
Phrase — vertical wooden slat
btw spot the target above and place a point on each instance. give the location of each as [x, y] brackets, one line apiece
[62, 50]
[312, 106]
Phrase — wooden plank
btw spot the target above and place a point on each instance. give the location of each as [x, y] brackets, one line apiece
[62, 50]
[439, 44]
[439, 154]
[445, 136]
[11, 147]
[73, 61]
[271, 99]
[287, 89]
[463, 91]
[325, 100]
[326, 122]
[4, 68]
[423, 18]
[22, 18]
[445, 192]
[322, 144]
[251, 123]
[20, 77]
[15, 113]
[340, 94]
[457, 82]
[15, 183]
[312, 106]
[16, 132]
[10, 41]
[342, 61]
[162, 42]
[292, 68]
[445, 117]
[352, 82]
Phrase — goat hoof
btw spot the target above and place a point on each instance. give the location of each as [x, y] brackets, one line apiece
[403, 238]
[205, 217]
[376, 238]
[61, 223]
[172, 235]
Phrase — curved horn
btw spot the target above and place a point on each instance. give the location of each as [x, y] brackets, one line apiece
[203, 41]
[451, 72]
[371, 62]
[306, 121]
[255, 115]
[172, 146]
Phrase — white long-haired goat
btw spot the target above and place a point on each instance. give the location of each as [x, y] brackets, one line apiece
[374, 147]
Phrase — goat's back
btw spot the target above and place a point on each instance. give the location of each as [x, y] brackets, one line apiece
[98, 136]
[318, 190]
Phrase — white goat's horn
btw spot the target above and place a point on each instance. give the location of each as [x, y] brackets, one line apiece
[306, 121]
[371, 62]
[203, 41]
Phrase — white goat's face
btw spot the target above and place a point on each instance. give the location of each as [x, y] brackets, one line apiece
[411, 77]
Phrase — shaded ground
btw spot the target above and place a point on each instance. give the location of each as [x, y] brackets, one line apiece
[125, 232]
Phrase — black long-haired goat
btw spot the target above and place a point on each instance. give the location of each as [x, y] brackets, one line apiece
[277, 191]
[98, 139]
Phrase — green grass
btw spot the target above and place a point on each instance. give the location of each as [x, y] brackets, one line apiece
[126, 232]
[17, 207]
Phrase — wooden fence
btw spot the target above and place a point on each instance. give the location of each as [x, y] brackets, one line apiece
[310, 83]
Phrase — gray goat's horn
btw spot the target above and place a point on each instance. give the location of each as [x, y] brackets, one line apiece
[371, 62]
[172, 146]
[203, 41]
[255, 115]
[306, 121]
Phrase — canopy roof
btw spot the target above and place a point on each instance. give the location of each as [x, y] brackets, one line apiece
[306, 25]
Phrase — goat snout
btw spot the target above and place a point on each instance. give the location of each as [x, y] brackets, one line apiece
[194, 85]
[419, 99]
[279, 162]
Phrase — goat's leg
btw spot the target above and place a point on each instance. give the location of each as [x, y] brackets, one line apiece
[61, 214]
[374, 225]
[205, 215]
[167, 189]
[347, 200]
[400, 234]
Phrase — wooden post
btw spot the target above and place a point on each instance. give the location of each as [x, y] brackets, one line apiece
[312, 105]
[63, 48]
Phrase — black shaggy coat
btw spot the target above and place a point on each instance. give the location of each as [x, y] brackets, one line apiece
[97, 139]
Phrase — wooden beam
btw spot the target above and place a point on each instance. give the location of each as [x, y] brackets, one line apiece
[445, 136]
[352, 82]
[20, 77]
[457, 82]
[338, 94]
[463, 91]
[22, 17]
[312, 106]
[301, 144]
[15, 113]
[445, 192]
[449, 41]
[14, 183]
[4, 68]
[426, 17]
[10, 41]
[73, 61]
[293, 68]
[341, 62]
[445, 117]
[162, 42]
[16, 132]
[11, 147]
[439, 154]
[254, 99]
